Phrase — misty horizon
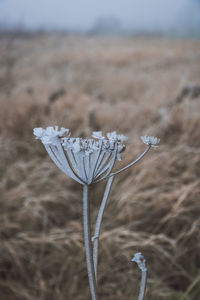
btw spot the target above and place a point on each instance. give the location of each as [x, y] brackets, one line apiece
[154, 16]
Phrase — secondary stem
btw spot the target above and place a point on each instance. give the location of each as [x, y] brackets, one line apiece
[87, 239]
[95, 238]
[128, 166]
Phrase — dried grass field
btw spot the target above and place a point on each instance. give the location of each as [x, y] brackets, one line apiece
[135, 86]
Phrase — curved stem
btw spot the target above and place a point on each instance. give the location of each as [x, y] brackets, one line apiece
[128, 166]
[95, 238]
[57, 155]
[94, 163]
[87, 239]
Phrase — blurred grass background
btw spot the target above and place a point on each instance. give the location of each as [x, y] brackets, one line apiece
[135, 86]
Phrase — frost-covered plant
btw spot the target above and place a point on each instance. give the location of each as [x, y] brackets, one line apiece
[141, 262]
[89, 161]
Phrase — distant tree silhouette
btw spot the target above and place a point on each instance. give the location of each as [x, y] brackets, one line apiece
[106, 24]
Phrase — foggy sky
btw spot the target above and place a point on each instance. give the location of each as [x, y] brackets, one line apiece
[81, 14]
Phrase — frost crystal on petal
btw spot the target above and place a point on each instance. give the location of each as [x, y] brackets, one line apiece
[121, 137]
[38, 132]
[150, 140]
[97, 135]
[77, 145]
[112, 136]
[49, 135]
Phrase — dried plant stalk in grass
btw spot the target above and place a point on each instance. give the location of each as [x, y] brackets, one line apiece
[90, 161]
[141, 262]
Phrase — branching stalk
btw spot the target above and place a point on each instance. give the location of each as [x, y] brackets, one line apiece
[89, 161]
[87, 239]
[128, 166]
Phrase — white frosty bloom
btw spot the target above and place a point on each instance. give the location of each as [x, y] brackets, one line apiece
[150, 140]
[85, 160]
[121, 137]
[97, 135]
[76, 145]
[49, 135]
[38, 132]
[113, 136]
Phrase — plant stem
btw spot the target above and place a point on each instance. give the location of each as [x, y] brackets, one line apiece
[143, 285]
[141, 262]
[132, 163]
[128, 166]
[95, 238]
[87, 239]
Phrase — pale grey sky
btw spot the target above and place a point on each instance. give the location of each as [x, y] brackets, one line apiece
[63, 14]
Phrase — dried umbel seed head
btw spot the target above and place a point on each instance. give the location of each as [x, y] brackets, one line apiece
[84, 160]
[88, 146]
[150, 140]
[50, 134]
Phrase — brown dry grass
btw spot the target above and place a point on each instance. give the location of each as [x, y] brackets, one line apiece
[134, 86]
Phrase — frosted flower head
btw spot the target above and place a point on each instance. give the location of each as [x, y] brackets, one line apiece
[50, 134]
[84, 160]
[150, 140]
[140, 261]
[97, 135]
[113, 136]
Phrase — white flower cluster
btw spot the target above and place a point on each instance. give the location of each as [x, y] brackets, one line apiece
[86, 160]
[49, 135]
[88, 146]
[150, 140]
